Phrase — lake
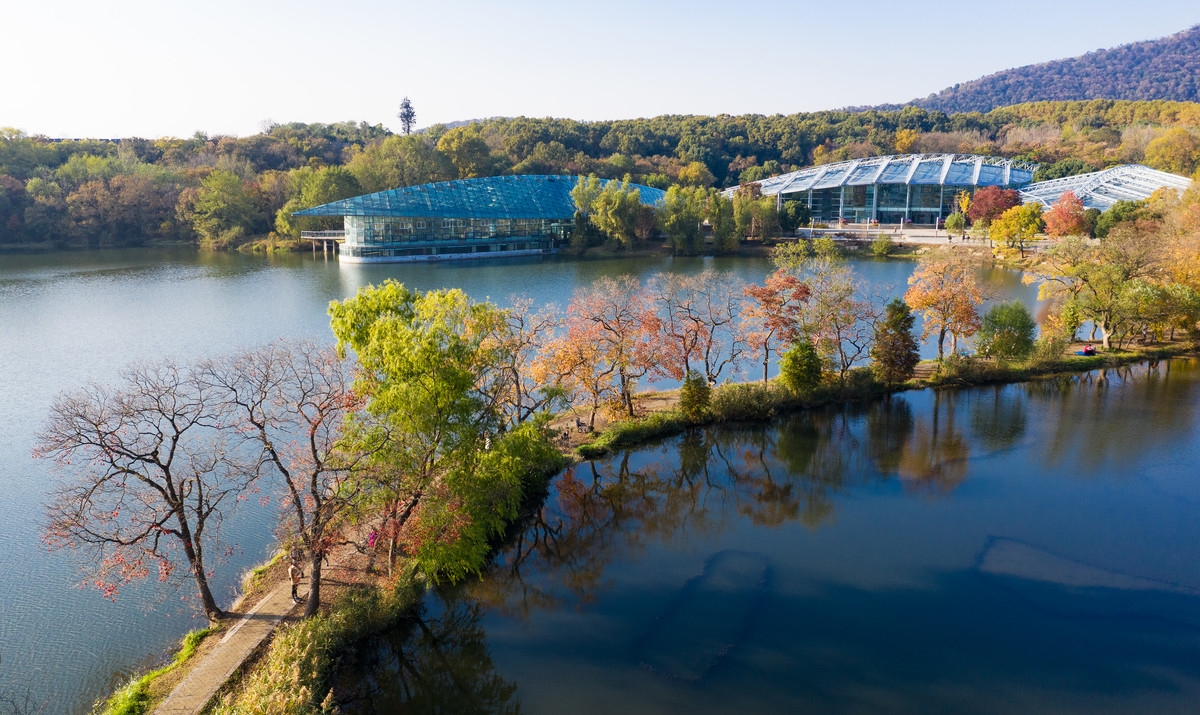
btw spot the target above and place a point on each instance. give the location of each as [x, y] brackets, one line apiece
[1018, 549]
[70, 318]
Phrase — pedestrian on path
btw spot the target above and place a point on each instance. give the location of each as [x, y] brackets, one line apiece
[295, 573]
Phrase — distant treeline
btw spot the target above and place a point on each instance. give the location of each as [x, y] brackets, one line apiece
[219, 191]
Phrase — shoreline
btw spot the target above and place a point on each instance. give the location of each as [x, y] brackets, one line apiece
[732, 402]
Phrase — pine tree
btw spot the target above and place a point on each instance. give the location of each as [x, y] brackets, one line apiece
[895, 353]
[407, 115]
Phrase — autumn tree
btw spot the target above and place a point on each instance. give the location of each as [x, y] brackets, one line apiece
[1066, 217]
[698, 318]
[989, 203]
[613, 323]
[839, 315]
[1017, 226]
[772, 314]
[293, 399]
[895, 353]
[515, 339]
[149, 474]
[946, 291]
[1092, 278]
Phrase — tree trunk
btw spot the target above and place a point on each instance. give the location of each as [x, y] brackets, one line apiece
[1104, 336]
[766, 363]
[314, 587]
[941, 342]
[196, 564]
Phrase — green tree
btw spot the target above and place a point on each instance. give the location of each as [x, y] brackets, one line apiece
[694, 396]
[956, 224]
[719, 213]
[423, 358]
[399, 161]
[467, 150]
[895, 354]
[1119, 212]
[1007, 331]
[681, 215]
[407, 116]
[696, 174]
[221, 210]
[800, 367]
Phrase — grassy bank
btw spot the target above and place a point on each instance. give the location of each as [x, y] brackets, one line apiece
[135, 697]
[758, 401]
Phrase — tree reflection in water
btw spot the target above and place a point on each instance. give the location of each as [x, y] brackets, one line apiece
[428, 664]
[707, 482]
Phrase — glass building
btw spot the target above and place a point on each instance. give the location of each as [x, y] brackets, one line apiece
[891, 189]
[1102, 189]
[467, 218]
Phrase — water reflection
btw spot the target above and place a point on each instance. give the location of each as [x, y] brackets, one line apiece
[642, 582]
[430, 663]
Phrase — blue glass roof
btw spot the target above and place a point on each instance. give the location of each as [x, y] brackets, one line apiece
[926, 169]
[491, 197]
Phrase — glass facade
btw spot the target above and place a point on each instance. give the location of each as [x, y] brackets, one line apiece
[516, 215]
[920, 188]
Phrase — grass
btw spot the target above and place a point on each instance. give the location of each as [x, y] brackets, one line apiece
[134, 698]
[295, 674]
[252, 578]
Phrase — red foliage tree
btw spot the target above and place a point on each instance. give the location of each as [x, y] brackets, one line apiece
[1066, 217]
[991, 201]
[771, 318]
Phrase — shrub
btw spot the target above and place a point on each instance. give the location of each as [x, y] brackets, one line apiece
[1049, 349]
[694, 397]
[800, 368]
[1007, 332]
[882, 245]
[747, 401]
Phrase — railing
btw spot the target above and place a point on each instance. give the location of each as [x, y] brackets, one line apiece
[322, 234]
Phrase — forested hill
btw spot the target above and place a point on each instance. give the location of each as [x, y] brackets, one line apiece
[1167, 68]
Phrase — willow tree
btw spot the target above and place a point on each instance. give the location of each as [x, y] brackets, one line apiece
[426, 364]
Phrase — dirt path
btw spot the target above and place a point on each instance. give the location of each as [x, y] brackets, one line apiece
[200, 685]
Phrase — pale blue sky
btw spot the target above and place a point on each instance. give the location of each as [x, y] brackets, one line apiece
[145, 68]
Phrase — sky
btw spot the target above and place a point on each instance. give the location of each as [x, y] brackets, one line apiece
[82, 68]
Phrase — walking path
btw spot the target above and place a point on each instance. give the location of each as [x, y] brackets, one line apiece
[202, 683]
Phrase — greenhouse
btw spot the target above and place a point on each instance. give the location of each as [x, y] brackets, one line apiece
[920, 188]
[466, 218]
[1101, 189]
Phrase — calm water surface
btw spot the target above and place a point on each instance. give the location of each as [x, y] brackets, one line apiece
[1020, 549]
[70, 318]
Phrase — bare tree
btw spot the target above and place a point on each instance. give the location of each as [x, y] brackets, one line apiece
[292, 399]
[148, 470]
[514, 387]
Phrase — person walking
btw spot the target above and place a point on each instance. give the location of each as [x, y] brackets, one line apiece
[295, 573]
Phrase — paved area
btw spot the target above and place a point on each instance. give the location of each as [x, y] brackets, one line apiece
[198, 688]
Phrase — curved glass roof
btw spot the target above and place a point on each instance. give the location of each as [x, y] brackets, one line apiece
[491, 197]
[916, 169]
[1102, 189]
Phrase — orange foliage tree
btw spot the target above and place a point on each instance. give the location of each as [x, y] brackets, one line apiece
[612, 331]
[1065, 217]
[771, 316]
[947, 293]
[698, 322]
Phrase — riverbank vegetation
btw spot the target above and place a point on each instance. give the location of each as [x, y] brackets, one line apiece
[221, 191]
[417, 439]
